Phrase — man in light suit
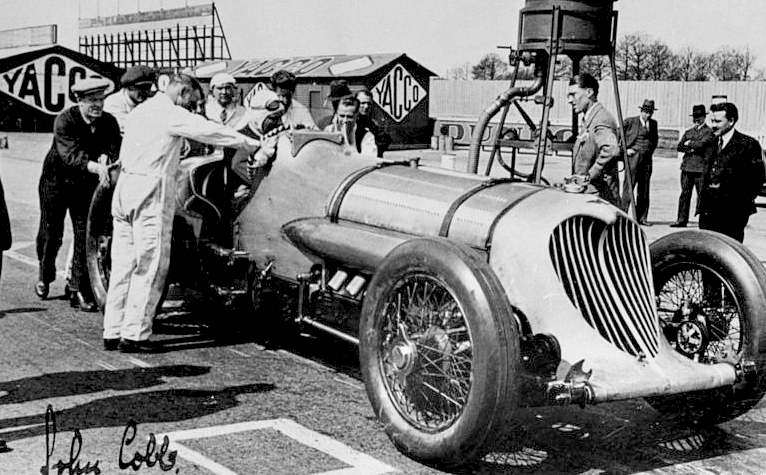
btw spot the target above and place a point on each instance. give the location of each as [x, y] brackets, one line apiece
[596, 149]
[698, 146]
[733, 178]
[641, 138]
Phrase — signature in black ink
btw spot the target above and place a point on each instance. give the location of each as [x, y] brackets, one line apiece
[73, 465]
[149, 457]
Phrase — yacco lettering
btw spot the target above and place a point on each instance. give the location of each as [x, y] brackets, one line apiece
[398, 93]
[45, 83]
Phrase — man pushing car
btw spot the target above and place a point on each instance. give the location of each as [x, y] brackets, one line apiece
[143, 205]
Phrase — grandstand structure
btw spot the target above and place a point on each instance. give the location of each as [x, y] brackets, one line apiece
[175, 38]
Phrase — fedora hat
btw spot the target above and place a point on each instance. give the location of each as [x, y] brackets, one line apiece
[648, 105]
[338, 90]
[699, 111]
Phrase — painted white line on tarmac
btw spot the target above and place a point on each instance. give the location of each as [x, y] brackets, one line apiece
[106, 365]
[240, 353]
[360, 463]
[735, 462]
[29, 261]
[137, 362]
[199, 459]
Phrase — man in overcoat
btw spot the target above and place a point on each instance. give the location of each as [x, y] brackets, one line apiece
[72, 169]
[596, 149]
[698, 147]
[733, 177]
[641, 138]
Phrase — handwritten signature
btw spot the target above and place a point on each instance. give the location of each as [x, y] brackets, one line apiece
[150, 456]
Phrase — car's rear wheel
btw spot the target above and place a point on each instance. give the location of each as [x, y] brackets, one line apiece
[439, 352]
[98, 244]
[711, 294]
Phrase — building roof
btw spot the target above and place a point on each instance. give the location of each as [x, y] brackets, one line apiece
[324, 66]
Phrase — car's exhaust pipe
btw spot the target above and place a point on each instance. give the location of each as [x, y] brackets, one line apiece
[501, 101]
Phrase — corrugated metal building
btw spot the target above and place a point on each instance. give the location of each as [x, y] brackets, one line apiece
[399, 86]
[456, 104]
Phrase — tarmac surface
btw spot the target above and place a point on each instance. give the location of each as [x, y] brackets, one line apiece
[232, 402]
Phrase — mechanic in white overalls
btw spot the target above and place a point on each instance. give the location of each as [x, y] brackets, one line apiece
[144, 203]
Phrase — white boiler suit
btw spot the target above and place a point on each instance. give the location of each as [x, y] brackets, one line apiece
[143, 208]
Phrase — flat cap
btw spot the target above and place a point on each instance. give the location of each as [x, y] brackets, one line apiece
[138, 75]
[221, 79]
[89, 86]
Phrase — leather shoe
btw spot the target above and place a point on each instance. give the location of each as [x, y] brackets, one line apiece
[42, 289]
[111, 344]
[678, 224]
[78, 300]
[133, 346]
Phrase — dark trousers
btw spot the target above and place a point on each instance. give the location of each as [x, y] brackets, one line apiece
[640, 168]
[730, 224]
[55, 201]
[689, 180]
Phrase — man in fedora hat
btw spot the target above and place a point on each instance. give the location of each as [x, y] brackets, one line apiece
[338, 90]
[698, 147]
[641, 139]
[85, 138]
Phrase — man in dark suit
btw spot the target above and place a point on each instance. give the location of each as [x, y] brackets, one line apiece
[641, 139]
[596, 149]
[733, 177]
[85, 138]
[698, 145]
[5, 227]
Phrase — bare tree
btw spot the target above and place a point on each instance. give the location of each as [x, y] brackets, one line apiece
[491, 66]
[462, 71]
[598, 66]
[691, 65]
[659, 61]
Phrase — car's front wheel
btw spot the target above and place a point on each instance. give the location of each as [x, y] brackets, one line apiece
[711, 294]
[439, 352]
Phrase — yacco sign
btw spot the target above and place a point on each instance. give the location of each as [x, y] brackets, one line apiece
[45, 83]
[398, 93]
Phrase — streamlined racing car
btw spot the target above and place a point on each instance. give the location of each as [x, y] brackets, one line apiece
[469, 296]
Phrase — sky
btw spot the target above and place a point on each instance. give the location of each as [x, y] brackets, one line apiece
[437, 33]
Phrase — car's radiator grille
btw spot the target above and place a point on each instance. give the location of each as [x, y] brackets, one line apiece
[606, 272]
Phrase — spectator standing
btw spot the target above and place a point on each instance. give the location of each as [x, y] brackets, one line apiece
[296, 115]
[595, 151]
[641, 138]
[344, 122]
[222, 106]
[137, 85]
[698, 146]
[144, 203]
[366, 123]
[733, 177]
[5, 228]
[85, 139]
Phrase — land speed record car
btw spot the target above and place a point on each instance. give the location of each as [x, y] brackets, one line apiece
[470, 297]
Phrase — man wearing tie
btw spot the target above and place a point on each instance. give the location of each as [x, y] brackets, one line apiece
[733, 178]
[641, 139]
[222, 106]
[698, 145]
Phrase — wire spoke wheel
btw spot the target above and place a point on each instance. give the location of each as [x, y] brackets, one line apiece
[439, 352]
[427, 351]
[711, 301]
[698, 306]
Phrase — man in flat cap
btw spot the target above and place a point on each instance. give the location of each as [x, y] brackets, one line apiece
[138, 84]
[223, 104]
[144, 204]
[641, 138]
[85, 139]
[698, 147]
